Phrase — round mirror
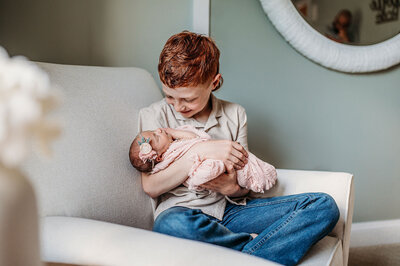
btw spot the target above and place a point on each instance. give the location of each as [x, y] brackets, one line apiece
[357, 22]
[371, 41]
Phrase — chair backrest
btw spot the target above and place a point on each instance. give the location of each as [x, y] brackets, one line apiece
[90, 175]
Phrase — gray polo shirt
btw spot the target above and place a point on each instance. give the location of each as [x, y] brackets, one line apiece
[226, 121]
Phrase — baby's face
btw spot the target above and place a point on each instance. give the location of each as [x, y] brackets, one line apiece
[159, 140]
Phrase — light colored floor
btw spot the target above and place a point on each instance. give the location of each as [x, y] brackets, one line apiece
[378, 255]
[375, 243]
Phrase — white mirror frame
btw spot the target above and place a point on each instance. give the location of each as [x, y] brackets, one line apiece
[312, 44]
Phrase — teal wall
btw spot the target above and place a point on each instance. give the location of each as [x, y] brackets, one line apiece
[301, 115]
[92, 32]
[304, 116]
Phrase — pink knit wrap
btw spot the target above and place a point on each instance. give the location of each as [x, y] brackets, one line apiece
[256, 175]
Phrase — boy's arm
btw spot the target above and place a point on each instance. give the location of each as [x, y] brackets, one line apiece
[171, 177]
[151, 118]
[181, 134]
[218, 184]
[156, 184]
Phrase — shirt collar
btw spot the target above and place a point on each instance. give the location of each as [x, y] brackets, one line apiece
[216, 112]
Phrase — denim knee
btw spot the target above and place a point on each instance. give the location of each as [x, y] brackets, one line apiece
[330, 208]
[173, 220]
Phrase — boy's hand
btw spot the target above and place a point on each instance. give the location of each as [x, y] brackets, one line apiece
[229, 152]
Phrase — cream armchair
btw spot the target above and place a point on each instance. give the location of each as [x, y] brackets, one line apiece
[92, 207]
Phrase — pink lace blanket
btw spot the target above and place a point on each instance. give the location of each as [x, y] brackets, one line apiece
[256, 175]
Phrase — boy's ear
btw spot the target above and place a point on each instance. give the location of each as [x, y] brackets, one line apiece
[216, 80]
[158, 159]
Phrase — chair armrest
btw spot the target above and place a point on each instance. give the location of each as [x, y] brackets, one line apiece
[89, 242]
[337, 184]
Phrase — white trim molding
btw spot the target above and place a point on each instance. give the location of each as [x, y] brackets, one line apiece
[375, 233]
[313, 45]
[201, 16]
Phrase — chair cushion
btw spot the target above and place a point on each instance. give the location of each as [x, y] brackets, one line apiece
[86, 242]
[329, 249]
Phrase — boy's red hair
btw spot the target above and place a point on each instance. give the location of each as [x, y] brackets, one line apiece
[188, 59]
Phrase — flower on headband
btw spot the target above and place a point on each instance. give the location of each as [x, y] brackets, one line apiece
[146, 152]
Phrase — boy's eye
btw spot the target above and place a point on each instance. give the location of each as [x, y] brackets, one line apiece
[189, 100]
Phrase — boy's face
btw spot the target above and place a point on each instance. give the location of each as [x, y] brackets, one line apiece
[191, 101]
[344, 20]
[159, 140]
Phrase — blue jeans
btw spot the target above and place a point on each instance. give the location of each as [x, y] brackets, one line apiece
[287, 226]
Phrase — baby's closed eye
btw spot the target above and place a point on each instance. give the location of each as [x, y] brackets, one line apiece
[155, 137]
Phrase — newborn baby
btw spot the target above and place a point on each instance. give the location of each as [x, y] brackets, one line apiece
[153, 151]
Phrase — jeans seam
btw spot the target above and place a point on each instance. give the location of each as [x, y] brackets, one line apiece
[261, 204]
[270, 234]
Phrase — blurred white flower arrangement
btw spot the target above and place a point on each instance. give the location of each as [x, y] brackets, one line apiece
[26, 97]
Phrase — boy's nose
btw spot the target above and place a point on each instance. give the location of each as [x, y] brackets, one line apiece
[179, 107]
